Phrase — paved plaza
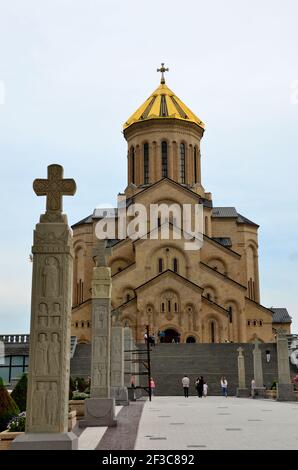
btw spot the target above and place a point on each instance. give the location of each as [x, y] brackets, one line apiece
[217, 423]
[213, 423]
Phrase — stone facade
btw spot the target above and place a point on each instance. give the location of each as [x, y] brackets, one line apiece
[208, 295]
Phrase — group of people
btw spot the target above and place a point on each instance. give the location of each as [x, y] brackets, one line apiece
[160, 337]
[202, 386]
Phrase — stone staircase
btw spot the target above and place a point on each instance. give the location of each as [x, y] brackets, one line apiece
[169, 362]
[80, 363]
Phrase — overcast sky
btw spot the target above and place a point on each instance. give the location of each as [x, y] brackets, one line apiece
[72, 72]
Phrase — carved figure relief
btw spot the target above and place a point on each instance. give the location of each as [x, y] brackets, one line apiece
[100, 343]
[54, 354]
[43, 314]
[100, 376]
[50, 277]
[55, 314]
[39, 404]
[41, 360]
[52, 404]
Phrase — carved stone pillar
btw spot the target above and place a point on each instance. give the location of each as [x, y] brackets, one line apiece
[100, 408]
[49, 354]
[118, 391]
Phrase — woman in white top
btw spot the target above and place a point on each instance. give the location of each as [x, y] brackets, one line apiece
[205, 389]
[224, 386]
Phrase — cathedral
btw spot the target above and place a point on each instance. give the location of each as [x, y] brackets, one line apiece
[208, 295]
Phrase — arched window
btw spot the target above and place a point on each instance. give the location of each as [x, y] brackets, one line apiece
[175, 265]
[176, 307]
[164, 159]
[127, 297]
[77, 324]
[169, 305]
[195, 164]
[146, 163]
[248, 322]
[162, 307]
[230, 314]
[182, 163]
[83, 324]
[88, 324]
[212, 332]
[208, 296]
[160, 265]
[132, 163]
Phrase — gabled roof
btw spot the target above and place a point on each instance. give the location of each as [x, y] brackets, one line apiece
[231, 212]
[280, 315]
[172, 273]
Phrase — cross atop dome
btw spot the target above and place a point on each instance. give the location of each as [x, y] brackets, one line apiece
[162, 70]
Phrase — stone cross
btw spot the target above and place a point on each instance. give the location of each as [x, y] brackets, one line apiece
[100, 253]
[241, 368]
[49, 354]
[54, 187]
[258, 368]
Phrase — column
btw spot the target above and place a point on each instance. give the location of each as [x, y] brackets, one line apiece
[284, 388]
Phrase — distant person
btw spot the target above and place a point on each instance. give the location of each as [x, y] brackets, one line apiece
[145, 337]
[205, 389]
[152, 386]
[162, 336]
[224, 387]
[253, 388]
[185, 385]
[200, 386]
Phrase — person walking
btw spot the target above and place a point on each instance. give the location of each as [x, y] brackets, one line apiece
[205, 389]
[152, 386]
[200, 386]
[253, 386]
[224, 387]
[185, 385]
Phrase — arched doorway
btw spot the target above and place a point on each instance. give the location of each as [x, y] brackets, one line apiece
[191, 339]
[170, 335]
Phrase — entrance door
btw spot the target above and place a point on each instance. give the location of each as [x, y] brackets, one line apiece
[171, 335]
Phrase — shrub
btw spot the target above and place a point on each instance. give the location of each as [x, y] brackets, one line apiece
[19, 393]
[8, 407]
[17, 424]
[80, 396]
[273, 386]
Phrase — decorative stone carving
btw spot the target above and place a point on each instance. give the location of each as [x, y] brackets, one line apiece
[258, 369]
[284, 389]
[54, 354]
[49, 355]
[101, 336]
[242, 391]
[43, 315]
[41, 359]
[51, 277]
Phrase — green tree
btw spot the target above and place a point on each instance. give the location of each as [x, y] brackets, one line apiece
[8, 407]
[19, 393]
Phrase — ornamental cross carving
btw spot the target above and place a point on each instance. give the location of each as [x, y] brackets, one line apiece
[256, 343]
[54, 188]
[101, 252]
[240, 351]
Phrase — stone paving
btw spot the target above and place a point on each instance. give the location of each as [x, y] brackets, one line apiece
[178, 423]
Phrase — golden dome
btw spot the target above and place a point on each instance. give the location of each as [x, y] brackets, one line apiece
[163, 104]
